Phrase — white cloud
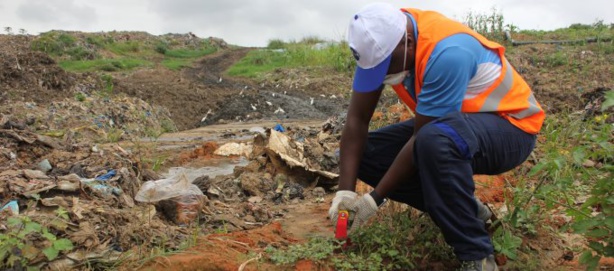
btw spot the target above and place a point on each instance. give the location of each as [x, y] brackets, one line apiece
[254, 22]
[57, 13]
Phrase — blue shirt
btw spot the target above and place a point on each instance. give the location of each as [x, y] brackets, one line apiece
[457, 64]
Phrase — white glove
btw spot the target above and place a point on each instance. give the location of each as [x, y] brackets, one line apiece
[333, 212]
[361, 209]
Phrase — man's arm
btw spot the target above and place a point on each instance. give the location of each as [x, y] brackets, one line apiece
[403, 166]
[354, 136]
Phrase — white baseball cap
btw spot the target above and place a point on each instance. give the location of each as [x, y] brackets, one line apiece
[374, 32]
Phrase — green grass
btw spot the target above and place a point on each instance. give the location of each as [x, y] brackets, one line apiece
[398, 240]
[186, 53]
[256, 63]
[180, 58]
[104, 64]
[576, 31]
[124, 48]
[336, 56]
[177, 63]
[79, 54]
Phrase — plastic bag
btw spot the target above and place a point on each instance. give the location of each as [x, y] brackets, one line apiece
[183, 209]
[178, 185]
[178, 199]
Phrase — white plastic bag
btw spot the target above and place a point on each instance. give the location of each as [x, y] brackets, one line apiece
[177, 185]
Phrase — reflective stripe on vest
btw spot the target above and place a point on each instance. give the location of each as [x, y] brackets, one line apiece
[491, 104]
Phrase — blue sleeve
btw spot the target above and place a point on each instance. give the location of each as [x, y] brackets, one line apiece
[448, 72]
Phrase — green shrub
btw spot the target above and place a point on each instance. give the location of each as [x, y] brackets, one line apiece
[276, 44]
[563, 177]
[336, 56]
[80, 53]
[79, 96]
[399, 241]
[48, 43]
[18, 246]
[161, 47]
[556, 59]
[490, 25]
[124, 48]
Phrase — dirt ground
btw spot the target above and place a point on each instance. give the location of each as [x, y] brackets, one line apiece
[203, 94]
[271, 195]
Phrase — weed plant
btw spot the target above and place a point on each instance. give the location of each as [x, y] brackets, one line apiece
[584, 169]
[24, 239]
[490, 25]
[401, 240]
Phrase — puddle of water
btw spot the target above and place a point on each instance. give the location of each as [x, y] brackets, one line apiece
[221, 167]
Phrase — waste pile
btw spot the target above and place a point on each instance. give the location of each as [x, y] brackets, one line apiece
[66, 204]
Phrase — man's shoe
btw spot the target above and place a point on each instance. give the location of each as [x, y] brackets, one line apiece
[486, 264]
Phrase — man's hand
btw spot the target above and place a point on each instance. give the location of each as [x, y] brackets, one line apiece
[341, 195]
[361, 209]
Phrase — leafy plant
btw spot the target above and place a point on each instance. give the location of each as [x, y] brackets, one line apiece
[317, 250]
[397, 241]
[20, 244]
[79, 96]
[506, 243]
[276, 44]
[564, 175]
[489, 25]
[609, 100]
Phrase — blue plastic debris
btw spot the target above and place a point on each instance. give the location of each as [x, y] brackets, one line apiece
[107, 189]
[107, 176]
[12, 206]
[99, 184]
[279, 128]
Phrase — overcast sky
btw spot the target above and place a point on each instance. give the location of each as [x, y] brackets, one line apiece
[255, 22]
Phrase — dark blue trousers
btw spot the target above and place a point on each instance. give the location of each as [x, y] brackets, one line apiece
[447, 152]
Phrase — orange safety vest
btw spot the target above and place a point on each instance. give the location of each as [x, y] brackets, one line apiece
[510, 96]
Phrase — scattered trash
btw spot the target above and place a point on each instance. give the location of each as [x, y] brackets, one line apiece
[177, 185]
[259, 130]
[71, 182]
[101, 184]
[179, 200]
[319, 194]
[234, 149]
[12, 208]
[107, 176]
[183, 209]
[44, 166]
[279, 128]
[288, 155]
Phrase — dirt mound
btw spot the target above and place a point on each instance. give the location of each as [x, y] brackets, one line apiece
[27, 75]
[546, 70]
[189, 95]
